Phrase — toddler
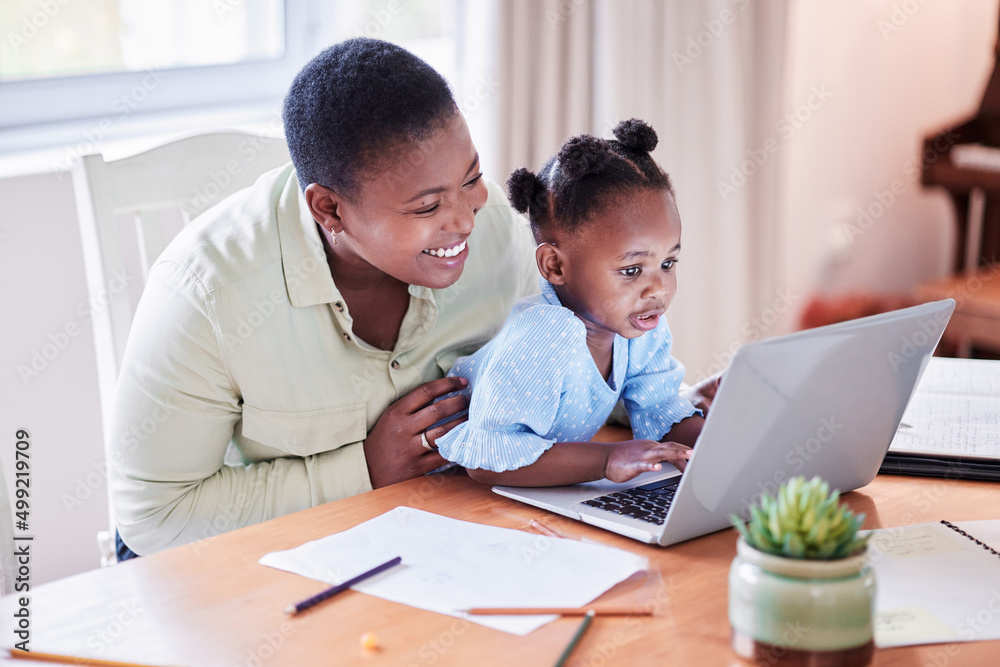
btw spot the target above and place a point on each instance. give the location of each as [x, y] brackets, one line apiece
[609, 235]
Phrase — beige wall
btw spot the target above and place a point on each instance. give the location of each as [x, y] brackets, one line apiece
[894, 71]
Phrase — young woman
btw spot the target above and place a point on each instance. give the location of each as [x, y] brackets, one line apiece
[290, 343]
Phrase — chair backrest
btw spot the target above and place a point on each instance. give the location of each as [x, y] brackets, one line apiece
[186, 176]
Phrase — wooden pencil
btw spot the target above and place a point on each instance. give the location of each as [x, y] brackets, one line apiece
[602, 610]
[70, 659]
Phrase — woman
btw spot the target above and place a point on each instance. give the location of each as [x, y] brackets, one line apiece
[290, 343]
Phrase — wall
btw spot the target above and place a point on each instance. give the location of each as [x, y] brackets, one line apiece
[48, 382]
[891, 72]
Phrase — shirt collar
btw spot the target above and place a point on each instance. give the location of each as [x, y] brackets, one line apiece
[549, 292]
[303, 259]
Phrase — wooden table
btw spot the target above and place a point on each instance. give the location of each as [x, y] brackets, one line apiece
[211, 603]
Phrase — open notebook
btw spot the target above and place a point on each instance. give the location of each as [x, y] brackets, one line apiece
[936, 582]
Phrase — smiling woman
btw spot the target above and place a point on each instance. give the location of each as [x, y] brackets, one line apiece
[382, 256]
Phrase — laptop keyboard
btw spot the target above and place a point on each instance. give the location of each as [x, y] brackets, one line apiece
[648, 502]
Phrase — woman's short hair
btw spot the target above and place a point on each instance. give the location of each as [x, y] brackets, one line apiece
[354, 102]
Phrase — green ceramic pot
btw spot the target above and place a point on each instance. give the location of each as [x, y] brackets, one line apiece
[801, 611]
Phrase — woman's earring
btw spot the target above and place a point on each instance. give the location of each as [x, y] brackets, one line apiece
[333, 237]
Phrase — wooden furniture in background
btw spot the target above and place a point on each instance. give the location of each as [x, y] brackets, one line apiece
[210, 603]
[965, 160]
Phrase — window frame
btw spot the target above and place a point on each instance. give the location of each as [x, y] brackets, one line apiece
[40, 113]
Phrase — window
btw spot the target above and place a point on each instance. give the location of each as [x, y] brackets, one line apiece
[74, 75]
[64, 38]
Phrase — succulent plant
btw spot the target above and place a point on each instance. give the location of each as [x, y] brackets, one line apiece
[803, 520]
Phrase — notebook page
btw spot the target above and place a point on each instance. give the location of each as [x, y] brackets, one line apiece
[933, 584]
[955, 411]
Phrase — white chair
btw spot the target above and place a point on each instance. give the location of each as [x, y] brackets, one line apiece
[186, 176]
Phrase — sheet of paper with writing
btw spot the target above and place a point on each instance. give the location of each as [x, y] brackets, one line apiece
[450, 565]
[954, 412]
[935, 584]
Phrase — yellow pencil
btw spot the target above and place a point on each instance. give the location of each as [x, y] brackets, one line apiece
[69, 659]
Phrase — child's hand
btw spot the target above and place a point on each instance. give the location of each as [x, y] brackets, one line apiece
[633, 457]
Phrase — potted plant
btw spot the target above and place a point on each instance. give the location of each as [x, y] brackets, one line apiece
[800, 589]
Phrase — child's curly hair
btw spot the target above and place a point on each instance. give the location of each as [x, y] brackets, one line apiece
[585, 175]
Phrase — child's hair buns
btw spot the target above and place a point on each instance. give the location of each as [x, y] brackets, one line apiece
[521, 188]
[636, 136]
[584, 155]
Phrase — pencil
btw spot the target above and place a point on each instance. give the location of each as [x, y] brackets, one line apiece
[69, 659]
[543, 529]
[603, 610]
[576, 638]
[339, 588]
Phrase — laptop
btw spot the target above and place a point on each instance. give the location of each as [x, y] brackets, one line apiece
[824, 401]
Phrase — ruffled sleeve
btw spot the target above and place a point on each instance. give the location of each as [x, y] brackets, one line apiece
[517, 382]
[652, 382]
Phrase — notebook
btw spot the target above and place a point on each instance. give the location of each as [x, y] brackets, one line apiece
[936, 582]
[824, 401]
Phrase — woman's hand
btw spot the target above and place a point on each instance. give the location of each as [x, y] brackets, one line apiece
[394, 449]
[633, 457]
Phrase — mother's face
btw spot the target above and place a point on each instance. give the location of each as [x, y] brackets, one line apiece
[413, 219]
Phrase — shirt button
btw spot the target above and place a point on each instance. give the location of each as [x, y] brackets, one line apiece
[347, 336]
[395, 365]
[339, 306]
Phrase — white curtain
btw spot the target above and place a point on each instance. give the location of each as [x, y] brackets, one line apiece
[708, 76]
[544, 53]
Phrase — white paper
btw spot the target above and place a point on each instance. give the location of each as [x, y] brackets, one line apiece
[955, 411]
[450, 565]
[934, 585]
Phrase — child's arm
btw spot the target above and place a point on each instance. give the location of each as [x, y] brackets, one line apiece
[576, 462]
[686, 431]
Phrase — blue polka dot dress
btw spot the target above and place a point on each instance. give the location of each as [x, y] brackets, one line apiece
[536, 383]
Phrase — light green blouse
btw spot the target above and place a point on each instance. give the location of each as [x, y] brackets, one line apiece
[242, 342]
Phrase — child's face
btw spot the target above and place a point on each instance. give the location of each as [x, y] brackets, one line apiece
[618, 274]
